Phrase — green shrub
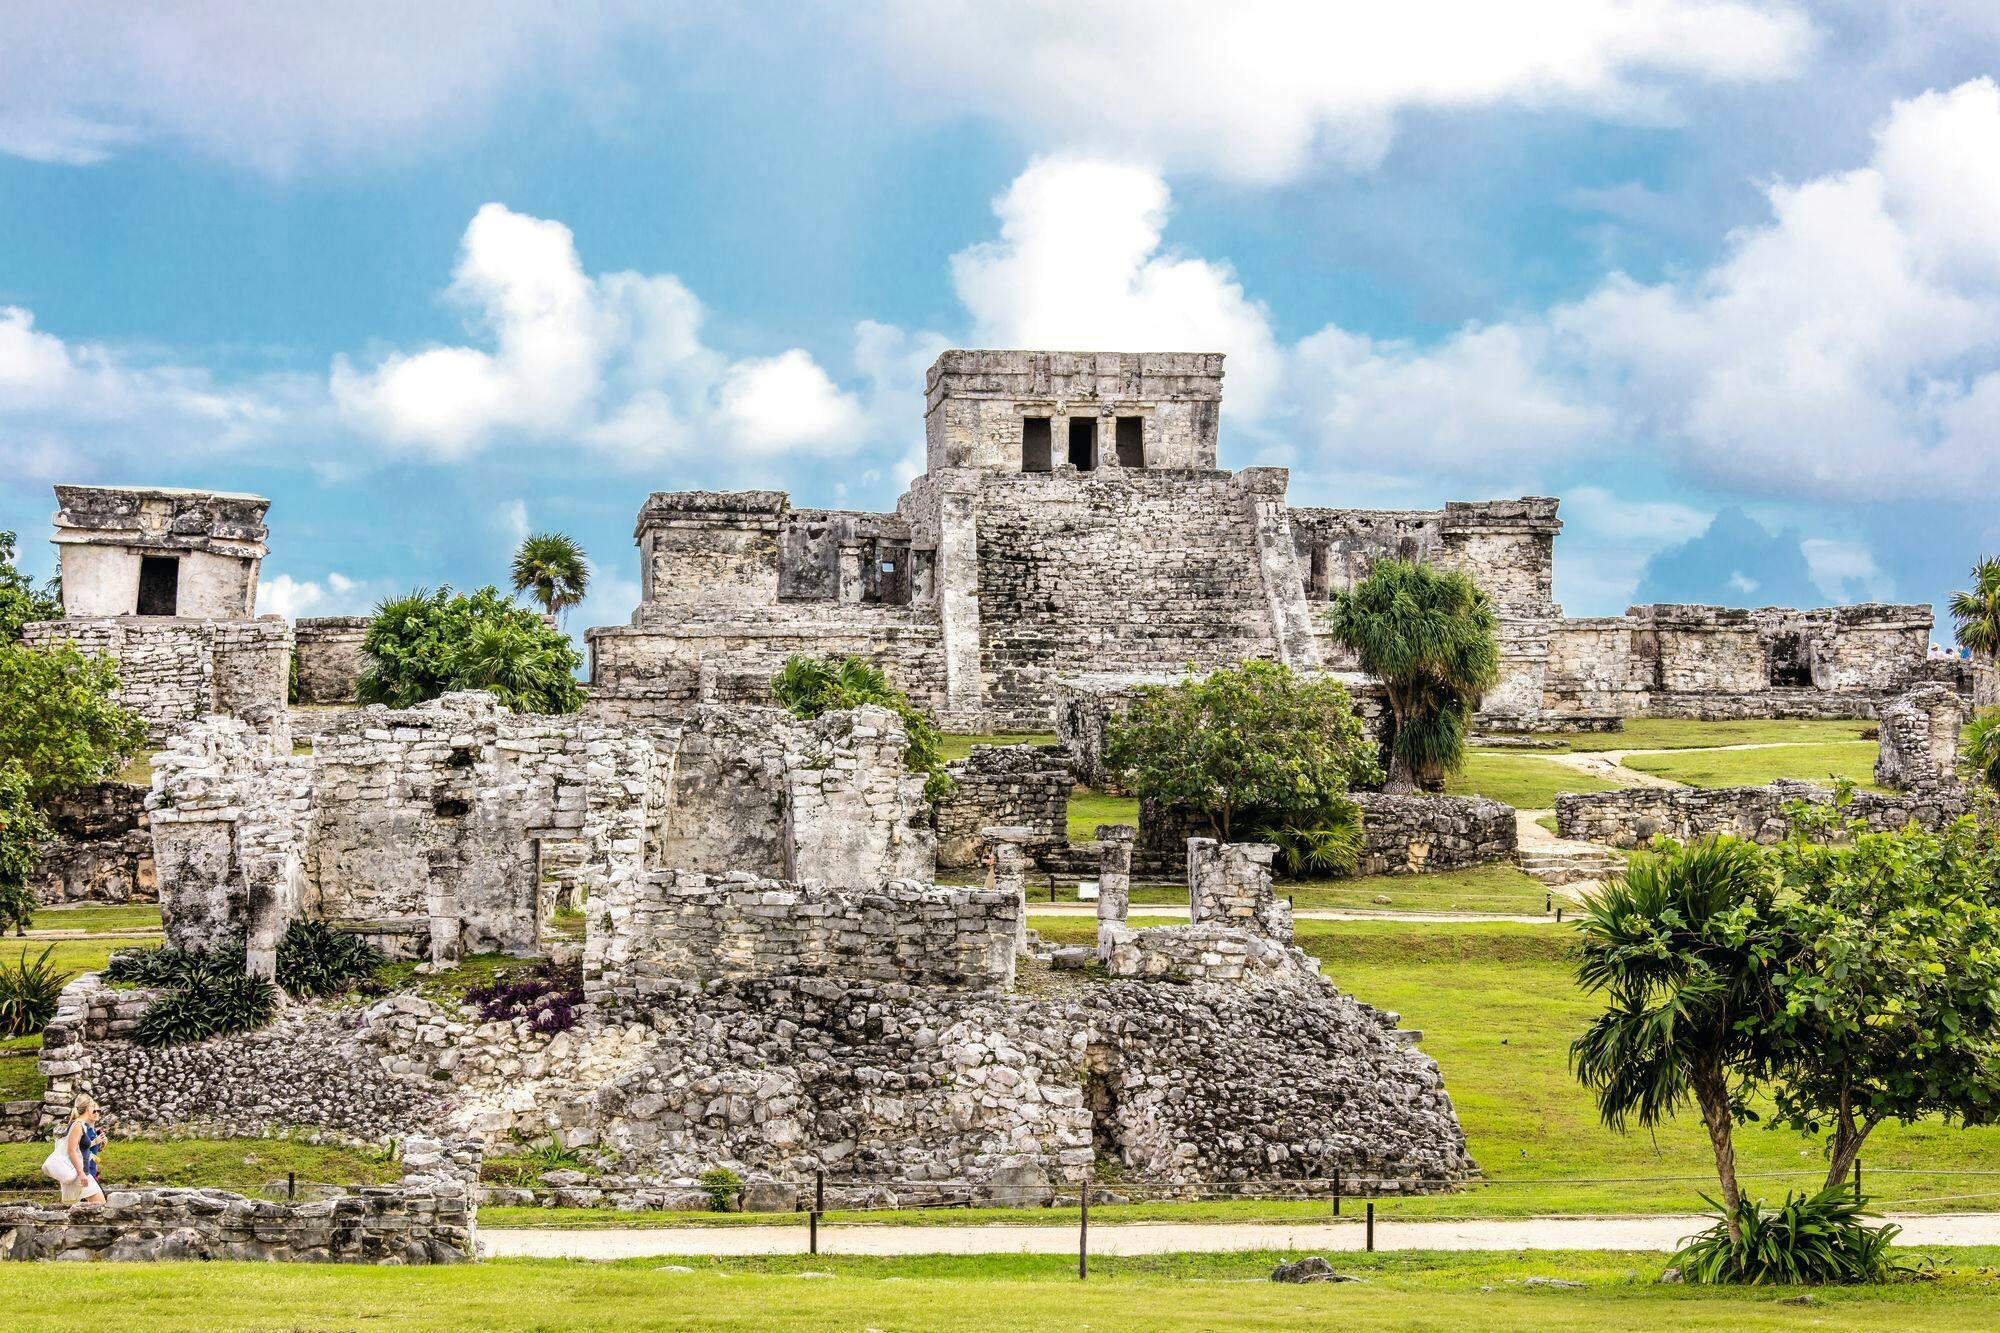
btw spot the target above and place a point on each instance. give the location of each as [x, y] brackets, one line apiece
[23, 834]
[314, 959]
[722, 1186]
[174, 967]
[28, 991]
[1811, 1238]
[210, 1007]
[432, 642]
[811, 686]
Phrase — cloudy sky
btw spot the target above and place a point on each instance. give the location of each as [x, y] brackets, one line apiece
[1724, 275]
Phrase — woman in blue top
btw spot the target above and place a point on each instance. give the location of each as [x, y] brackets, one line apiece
[84, 1140]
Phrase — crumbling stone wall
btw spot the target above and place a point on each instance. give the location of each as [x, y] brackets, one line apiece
[171, 671]
[1425, 834]
[1919, 739]
[676, 926]
[329, 658]
[102, 851]
[1018, 786]
[1634, 816]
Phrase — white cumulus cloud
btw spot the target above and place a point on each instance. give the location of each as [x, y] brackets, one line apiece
[615, 362]
[1256, 90]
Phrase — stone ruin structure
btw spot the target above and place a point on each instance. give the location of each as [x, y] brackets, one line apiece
[772, 979]
[165, 581]
[1919, 739]
[1072, 533]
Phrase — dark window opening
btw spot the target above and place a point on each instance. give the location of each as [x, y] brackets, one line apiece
[1035, 445]
[1131, 442]
[1083, 443]
[1791, 663]
[159, 585]
[451, 808]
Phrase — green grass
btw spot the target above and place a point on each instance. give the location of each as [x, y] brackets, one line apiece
[1673, 733]
[98, 917]
[958, 744]
[1088, 808]
[245, 1166]
[18, 1080]
[451, 985]
[970, 1294]
[1498, 887]
[1854, 760]
[1520, 780]
[85, 955]
[139, 772]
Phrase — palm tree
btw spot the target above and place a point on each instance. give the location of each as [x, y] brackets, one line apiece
[1976, 610]
[551, 567]
[1979, 748]
[1429, 634]
[1684, 947]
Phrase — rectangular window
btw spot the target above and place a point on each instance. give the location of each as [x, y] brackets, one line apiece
[1131, 442]
[159, 585]
[1083, 443]
[1035, 447]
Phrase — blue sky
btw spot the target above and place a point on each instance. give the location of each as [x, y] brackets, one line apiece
[1721, 274]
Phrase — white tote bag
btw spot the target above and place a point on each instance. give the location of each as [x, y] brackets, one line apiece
[57, 1165]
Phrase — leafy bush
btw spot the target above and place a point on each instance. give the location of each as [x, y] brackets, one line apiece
[1980, 748]
[174, 967]
[546, 994]
[722, 1186]
[433, 642]
[1255, 748]
[23, 833]
[57, 718]
[210, 1007]
[28, 991]
[1810, 1238]
[812, 686]
[314, 959]
[20, 601]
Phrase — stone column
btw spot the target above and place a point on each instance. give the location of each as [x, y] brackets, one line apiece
[1008, 849]
[923, 575]
[1114, 881]
[852, 584]
[1204, 879]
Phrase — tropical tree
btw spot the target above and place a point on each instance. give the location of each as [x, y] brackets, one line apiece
[20, 601]
[1255, 748]
[429, 643]
[59, 724]
[1684, 947]
[1428, 633]
[1889, 999]
[1979, 748]
[551, 568]
[811, 686]
[1975, 611]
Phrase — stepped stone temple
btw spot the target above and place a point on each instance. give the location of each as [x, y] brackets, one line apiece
[1073, 523]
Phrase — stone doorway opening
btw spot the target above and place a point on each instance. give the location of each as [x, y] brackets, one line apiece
[1131, 442]
[1083, 443]
[1036, 449]
[1103, 1072]
[159, 585]
[1791, 662]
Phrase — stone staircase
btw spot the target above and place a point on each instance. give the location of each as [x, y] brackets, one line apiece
[1565, 865]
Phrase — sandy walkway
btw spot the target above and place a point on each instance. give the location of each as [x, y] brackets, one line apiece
[1541, 1233]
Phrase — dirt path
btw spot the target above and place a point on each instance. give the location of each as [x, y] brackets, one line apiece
[1537, 1233]
[1036, 909]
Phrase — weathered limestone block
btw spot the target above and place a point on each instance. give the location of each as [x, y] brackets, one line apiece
[1919, 739]
[1020, 786]
[102, 851]
[1634, 816]
[330, 658]
[1425, 834]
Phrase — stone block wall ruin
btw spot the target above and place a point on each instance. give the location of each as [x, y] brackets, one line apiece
[1634, 816]
[1919, 739]
[102, 851]
[1019, 786]
[328, 660]
[172, 671]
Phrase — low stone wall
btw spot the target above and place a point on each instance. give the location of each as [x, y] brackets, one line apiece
[1196, 953]
[429, 1218]
[679, 926]
[1920, 738]
[328, 659]
[1016, 786]
[1634, 816]
[102, 851]
[298, 1071]
[1419, 834]
[173, 670]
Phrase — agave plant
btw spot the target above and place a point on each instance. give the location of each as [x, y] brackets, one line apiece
[1810, 1238]
[28, 991]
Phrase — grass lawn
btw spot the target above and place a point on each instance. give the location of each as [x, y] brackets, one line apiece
[1854, 760]
[1497, 887]
[1674, 733]
[98, 917]
[85, 955]
[1521, 780]
[18, 1080]
[1088, 808]
[1498, 1008]
[245, 1166]
[958, 744]
[1409, 1289]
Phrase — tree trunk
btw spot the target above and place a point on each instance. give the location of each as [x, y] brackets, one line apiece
[1847, 1140]
[1400, 780]
[1711, 1092]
